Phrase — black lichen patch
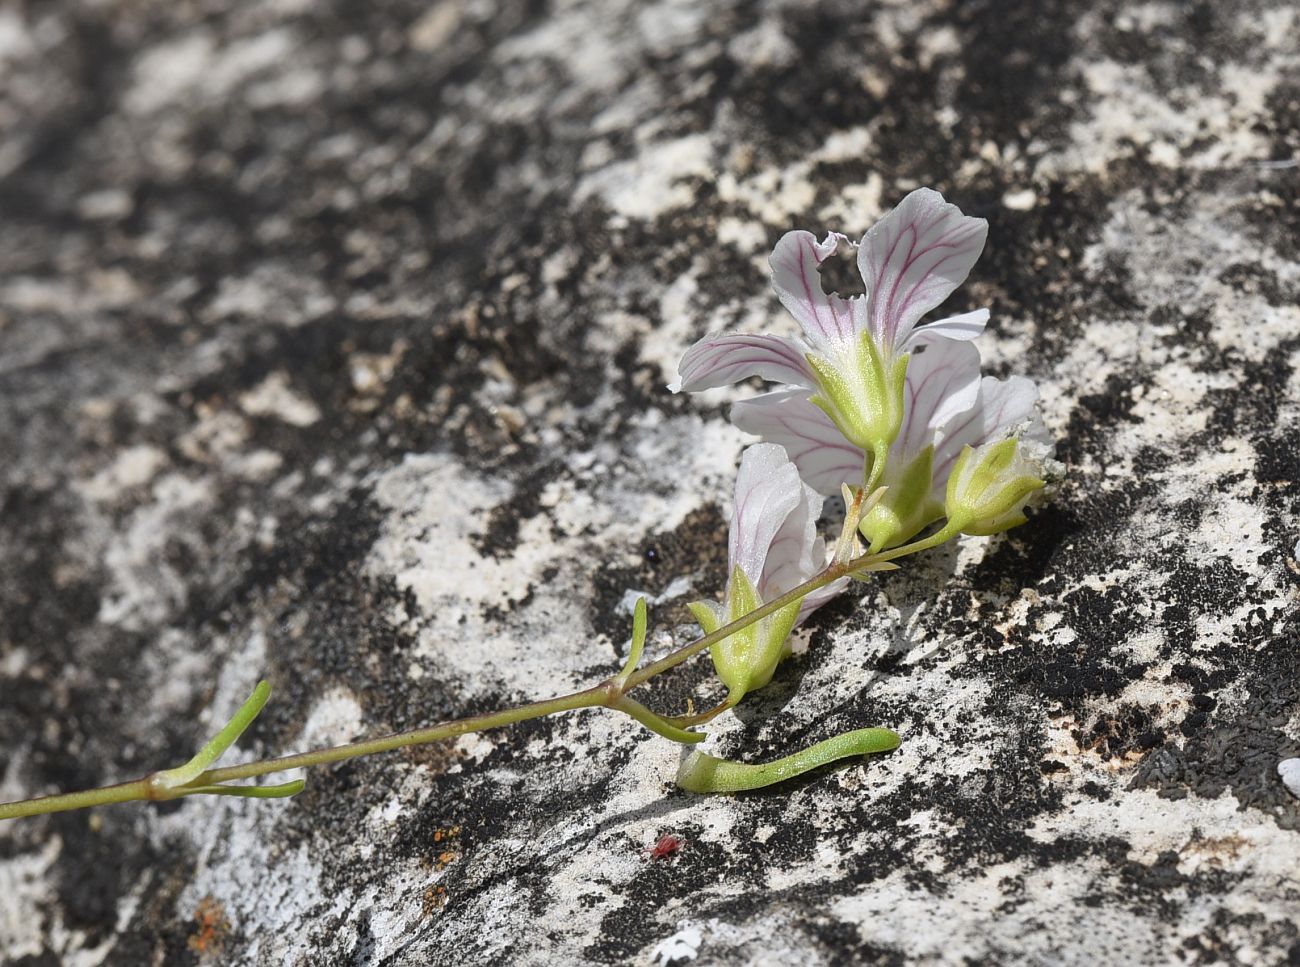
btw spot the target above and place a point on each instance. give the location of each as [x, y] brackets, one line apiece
[1214, 944]
[1097, 416]
[1129, 731]
[501, 536]
[1239, 755]
[697, 549]
[46, 598]
[1016, 61]
[101, 862]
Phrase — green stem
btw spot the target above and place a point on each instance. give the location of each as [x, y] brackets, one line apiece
[180, 782]
[874, 469]
[151, 788]
[122, 792]
[587, 698]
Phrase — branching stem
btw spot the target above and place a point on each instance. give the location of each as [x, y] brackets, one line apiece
[196, 778]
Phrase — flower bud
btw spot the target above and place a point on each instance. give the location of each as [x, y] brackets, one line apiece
[990, 484]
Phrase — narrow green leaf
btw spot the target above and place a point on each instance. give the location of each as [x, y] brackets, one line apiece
[640, 620]
[703, 773]
[223, 740]
[281, 791]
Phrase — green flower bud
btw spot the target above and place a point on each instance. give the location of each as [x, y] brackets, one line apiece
[990, 484]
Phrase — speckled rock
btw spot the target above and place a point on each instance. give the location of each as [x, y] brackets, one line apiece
[333, 339]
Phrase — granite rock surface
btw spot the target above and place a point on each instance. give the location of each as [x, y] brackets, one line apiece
[333, 340]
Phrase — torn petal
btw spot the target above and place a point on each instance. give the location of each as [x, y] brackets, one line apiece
[913, 258]
[829, 322]
[724, 358]
[824, 457]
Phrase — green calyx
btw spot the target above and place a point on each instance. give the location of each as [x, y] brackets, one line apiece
[862, 393]
[746, 660]
[988, 487]
[905, 507]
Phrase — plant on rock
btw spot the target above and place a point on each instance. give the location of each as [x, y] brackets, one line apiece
[874, 405]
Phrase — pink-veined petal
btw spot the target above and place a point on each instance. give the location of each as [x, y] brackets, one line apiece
[1001, 405]
[724, 358]
[943, 380]
[790, 558]
[824, 458]
[913, 258]
[964, 327]
[767, 492]
[829, 322]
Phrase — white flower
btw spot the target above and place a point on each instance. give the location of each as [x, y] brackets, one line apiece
[852, 358]
[946, 407]
[772, 548]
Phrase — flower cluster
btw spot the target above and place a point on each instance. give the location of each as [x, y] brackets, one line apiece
[873, 403]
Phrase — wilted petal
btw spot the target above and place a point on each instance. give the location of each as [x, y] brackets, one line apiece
[790, 558]
[824, 458]
[913, 258]
[943, 380]
[724, 358]
[964, 327]
[767, 492]
[1001, 405]
[828, 321]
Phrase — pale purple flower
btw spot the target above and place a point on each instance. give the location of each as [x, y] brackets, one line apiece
[849, 361]
[772, 548]
[773, 533]
[946, 406]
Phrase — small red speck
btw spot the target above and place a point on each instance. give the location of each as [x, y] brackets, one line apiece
[667, 845]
